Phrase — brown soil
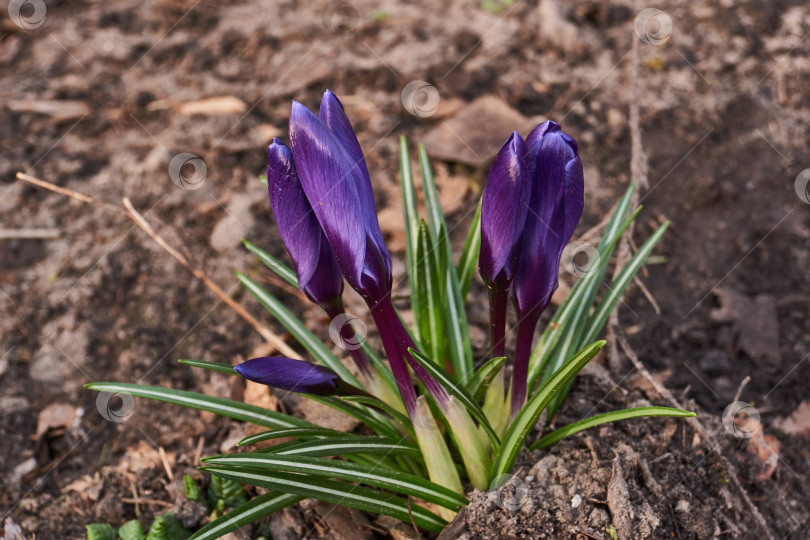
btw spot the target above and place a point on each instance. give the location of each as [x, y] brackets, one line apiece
[97, 99]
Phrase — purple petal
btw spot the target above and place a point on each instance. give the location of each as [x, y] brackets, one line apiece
[318, 273]
[291, 375]
[377, 267]
[554, 212]
[503, 211]
[330, 184]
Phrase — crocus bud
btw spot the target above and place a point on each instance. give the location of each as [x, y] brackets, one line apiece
[504, 206]
[503, 212]
[335, 179]
[318, 273]
[294, 376]
[555, 209]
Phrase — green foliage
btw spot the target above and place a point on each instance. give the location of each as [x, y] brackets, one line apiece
[131, 530]
[223, 493]
[100, 531]
[192, 489]
[167, 527]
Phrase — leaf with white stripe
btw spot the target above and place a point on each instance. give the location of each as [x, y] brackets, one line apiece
[221, 406]
[400, 482]
[362, 498]
[245, 513]
[351, 445]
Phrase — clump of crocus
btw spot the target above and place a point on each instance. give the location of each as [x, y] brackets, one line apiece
[321, 194]
[532, 203]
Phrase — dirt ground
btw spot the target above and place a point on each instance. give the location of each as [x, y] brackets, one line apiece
[99, 97]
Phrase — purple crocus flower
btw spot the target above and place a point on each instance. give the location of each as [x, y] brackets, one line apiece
[336, 182]
[555, 209]
[503, 214]
[318, 273]
[335, 179]
[294, 376]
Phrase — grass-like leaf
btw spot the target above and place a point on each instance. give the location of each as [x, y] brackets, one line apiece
[482, 377]
[458, 332]
[600, 316]
[469, 255]
[307, 339]
[245, 513]
[400, 482]
[385, 407]
[411, 215]
[358, 444]
[575, 308]
[362, 498]
[429, 291]
[299, 433]
[619, 285]
[459, 392]
[276, 266]
[381, 425]
[221, 406]
[599, 419]
[211, 366]
[517, 433]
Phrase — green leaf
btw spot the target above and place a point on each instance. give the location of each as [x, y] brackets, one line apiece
[600, 316]
[566, 319]
[192, 489]
[570, 336]
[300, 332]
[429, 291]
[400, 482]
[458, 331]
[455, 318]
[382, 368]
[301, 433]
[167, 527]
[254, 509]
[349, 445]
[459, 392]
[411, 217]
[469, 255]
[379, 424]
[617, 288]
[221, 406]
[526, 419]
[212, 366]
[131, 530]
[279, 268]
[385, 407]
[638, 412]
[362, 498]
[230, 492]
[100, 531]
[481, 378]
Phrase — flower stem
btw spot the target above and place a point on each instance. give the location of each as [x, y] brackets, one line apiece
[523, 350]
[396, 342]
[350, 340]
[498, 299]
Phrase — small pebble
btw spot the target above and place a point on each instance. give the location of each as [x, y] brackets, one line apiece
[576, 501]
